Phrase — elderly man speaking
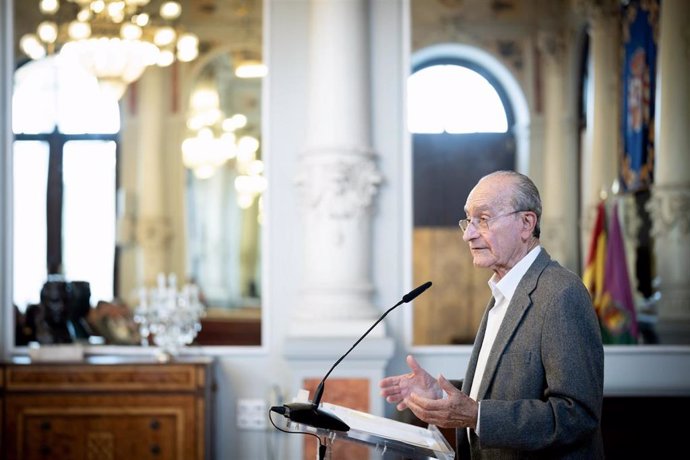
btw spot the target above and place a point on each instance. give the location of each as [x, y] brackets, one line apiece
[534, 383]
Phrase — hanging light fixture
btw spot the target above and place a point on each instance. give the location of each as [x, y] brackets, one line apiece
[250, 182]
[248, 62]
[217, 140]
[115, 40]
[250, 66]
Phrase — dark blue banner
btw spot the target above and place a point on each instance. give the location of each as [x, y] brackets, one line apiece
[640, 38]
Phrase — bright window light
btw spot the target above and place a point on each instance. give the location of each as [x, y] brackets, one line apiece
[30, 181]
[89, 215]
[50, 92]
[453, 99]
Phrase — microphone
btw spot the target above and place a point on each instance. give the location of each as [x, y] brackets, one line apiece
[310, 413]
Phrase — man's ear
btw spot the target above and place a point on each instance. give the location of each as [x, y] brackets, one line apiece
[529, 221]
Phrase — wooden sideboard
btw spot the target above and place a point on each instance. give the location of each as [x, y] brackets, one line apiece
[107, 408]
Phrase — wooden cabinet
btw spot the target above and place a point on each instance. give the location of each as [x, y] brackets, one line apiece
[107, 409]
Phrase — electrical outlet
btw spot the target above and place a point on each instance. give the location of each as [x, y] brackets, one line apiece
[251, 414]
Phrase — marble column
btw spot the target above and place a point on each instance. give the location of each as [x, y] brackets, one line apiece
[338, 182]
[670, 202]
[338, 176]
[557, 186]
[599, 163]
[153, 227]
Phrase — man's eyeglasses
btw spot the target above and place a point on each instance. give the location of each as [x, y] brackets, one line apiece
[481, 223]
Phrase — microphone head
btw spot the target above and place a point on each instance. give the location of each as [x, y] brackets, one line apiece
[309, 414]
[416, 291]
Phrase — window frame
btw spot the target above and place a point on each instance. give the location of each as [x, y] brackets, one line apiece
[54, 203]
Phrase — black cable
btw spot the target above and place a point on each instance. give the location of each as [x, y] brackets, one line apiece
[274, 441]
[281, 410]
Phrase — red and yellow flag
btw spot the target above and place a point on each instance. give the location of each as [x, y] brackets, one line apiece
[593, 276]
[606, 277]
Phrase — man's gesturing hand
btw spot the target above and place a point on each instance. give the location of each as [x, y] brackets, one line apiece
[398, 388]
[457, 410]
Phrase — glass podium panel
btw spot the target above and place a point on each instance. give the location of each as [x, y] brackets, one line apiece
[387, 438]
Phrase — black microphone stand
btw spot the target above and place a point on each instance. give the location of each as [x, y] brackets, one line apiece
[405, 299]
[309, 413]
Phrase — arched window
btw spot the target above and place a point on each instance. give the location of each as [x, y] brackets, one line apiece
[454, 99]
[65, 170]
[460, 120]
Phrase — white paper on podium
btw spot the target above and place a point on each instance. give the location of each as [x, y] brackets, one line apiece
[391, 429]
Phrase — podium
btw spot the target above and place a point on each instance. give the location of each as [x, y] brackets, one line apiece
[389, 438]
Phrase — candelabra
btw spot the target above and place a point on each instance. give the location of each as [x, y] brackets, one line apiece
[171, 318]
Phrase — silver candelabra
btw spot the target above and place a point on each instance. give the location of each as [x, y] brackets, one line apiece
[170, 316]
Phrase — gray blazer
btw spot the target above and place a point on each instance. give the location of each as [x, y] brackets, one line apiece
[542, 390]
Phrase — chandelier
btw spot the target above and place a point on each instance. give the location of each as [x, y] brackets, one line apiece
[216, 140]
[115, 40]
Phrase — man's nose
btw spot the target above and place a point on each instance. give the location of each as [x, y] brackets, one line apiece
[469, 233]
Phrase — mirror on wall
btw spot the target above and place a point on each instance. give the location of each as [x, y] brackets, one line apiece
[177, 192]
[224, 186]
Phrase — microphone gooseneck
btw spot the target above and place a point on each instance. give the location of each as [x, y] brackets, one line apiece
[310, 413]
[405, 299]
[410, 296]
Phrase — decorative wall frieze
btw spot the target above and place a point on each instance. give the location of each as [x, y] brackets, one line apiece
[669, 207]
[597, 9]
[337, 183]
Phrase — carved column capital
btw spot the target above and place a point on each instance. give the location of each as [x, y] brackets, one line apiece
[338, 183]
[669, 208]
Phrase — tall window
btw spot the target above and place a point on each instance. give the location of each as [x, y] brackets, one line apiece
[65, 170]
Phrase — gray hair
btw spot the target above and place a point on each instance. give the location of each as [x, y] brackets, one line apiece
[525, 196]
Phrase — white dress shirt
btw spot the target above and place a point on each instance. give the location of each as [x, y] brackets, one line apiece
[502, 292]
